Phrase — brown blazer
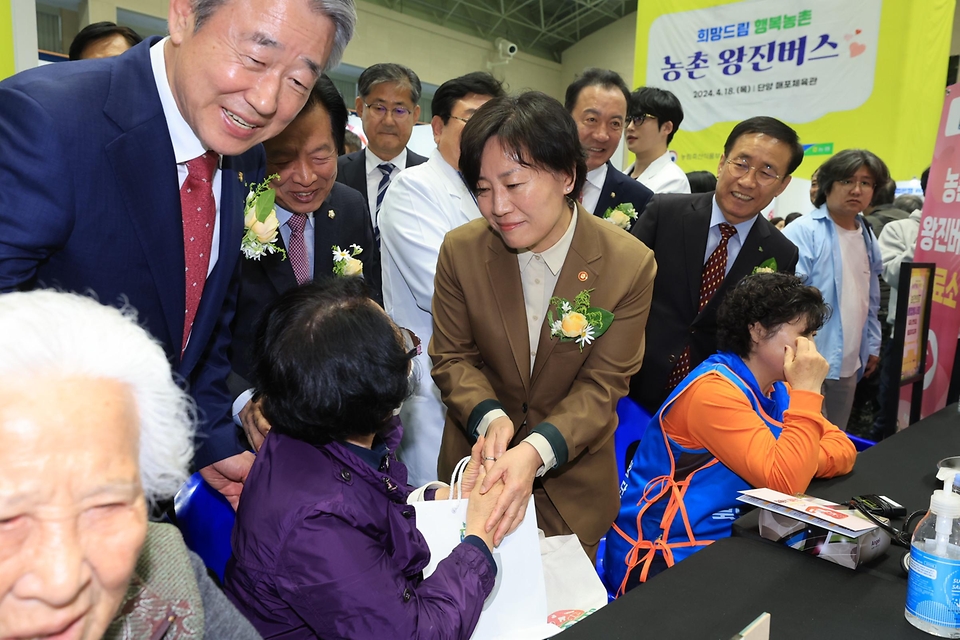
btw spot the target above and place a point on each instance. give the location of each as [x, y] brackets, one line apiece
[481, 358]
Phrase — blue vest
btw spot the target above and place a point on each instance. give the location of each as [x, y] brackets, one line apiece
[674, 500]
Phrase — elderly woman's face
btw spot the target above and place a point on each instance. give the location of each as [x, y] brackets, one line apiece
[526, 206]
[72, 512]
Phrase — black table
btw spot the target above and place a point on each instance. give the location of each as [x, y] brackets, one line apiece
[718, 591]
[902, 467]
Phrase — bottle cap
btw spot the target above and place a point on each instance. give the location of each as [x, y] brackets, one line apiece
[945, 503]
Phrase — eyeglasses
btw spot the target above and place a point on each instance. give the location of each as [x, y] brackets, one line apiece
[411, 343]
[865, 185]
[463, 120]
[739, 168]
[638, 120]
[380, 111]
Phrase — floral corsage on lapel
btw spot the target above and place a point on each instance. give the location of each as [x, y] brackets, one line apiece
[260, 222]
[578, 321]
[767, 266]
[346, 263]
[623, 215]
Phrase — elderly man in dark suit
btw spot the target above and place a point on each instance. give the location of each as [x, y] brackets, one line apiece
[126, 177]
[388, 107]
[705, 243]
[598, 101]
[315, 213]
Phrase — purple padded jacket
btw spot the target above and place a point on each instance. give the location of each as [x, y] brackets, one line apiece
[326, 546]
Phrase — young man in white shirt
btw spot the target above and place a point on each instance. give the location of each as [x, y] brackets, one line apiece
[655, 117]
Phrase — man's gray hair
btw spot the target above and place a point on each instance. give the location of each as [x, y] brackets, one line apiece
[343, 14]
[908, 202]
[389, 72]
[47, 332]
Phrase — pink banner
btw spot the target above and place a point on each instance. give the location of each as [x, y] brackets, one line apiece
[939, 242]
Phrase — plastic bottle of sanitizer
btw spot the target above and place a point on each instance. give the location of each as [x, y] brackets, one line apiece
[933, 585]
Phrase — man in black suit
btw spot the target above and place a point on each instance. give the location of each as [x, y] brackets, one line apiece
[388, 107]
[315, 214]
[598, 101]
[685, 231]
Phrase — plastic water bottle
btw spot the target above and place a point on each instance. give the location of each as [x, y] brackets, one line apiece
[933, 585]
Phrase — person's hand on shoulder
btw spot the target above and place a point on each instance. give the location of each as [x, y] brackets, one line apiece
[803, 367]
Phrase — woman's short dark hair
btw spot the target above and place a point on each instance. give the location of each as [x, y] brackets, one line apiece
[330, 365]
[842, 167]
[772, 299]
[532, 127]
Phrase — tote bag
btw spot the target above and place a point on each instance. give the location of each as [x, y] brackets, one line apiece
[518, 601]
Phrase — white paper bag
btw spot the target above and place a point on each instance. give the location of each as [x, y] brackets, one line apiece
[518, 600]
[571, 580]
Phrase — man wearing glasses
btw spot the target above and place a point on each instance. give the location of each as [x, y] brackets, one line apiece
[654, 118]
[706, 243]
[598, 100]
[387, 106]
[840, 256]
[423, 204]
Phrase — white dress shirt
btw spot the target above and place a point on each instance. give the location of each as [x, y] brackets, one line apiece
[374, 176]
[592, 187]
[663, 175]
[421, 206]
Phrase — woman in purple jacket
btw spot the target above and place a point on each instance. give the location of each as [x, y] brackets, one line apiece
[325, 543]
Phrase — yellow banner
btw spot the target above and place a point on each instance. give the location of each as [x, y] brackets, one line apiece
[858, 73]
[7, 64]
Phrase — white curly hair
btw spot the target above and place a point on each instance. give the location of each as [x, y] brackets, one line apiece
[47, 332]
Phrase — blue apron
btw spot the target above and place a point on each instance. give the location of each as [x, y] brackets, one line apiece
[673, 500]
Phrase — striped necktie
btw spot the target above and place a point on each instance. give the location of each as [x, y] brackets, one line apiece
[387, 170]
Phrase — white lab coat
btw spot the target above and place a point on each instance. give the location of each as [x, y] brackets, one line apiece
[421, 206]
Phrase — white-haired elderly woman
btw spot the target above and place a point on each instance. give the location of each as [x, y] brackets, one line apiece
[94, 431]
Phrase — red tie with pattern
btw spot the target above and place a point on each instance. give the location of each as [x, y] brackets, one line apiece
[199, 211]
[713, 273]
[297, 251]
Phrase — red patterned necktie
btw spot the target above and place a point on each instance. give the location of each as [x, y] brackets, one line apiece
[297, 251]
[199, 211]
[714, 271]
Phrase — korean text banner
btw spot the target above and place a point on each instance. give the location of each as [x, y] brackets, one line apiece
[938, 241]
[857, 73]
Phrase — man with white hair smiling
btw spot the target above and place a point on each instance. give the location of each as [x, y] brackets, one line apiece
[95, 431]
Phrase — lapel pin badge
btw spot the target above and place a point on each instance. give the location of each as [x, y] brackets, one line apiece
[582, 276]
[240, 175]
[613, 194]
[331, 214]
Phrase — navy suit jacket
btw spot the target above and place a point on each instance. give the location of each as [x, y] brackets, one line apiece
[619, 188]
[90, 201]
[352, 170]
[262, 281]
[675, 226]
